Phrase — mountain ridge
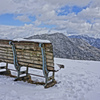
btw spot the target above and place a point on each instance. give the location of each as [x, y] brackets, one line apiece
[65, 47]
[92, 41]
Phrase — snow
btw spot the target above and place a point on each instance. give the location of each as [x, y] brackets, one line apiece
[79, 80]
[32, 40]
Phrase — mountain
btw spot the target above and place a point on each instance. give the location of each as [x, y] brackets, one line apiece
[64, 47]
[92, 41]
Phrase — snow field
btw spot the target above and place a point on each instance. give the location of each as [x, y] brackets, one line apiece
[79, 80]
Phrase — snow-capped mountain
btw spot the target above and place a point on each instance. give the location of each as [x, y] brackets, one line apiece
[92, 41]
[65, 47]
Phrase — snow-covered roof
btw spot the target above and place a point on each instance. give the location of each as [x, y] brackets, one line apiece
[33, 40]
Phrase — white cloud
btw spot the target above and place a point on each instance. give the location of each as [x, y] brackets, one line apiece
[37, 22]
[36, 6]
[11, 32]
[60, 3]
[90, 13]
[23, 18]
[8, 6]
[95, 3]
[86, 22]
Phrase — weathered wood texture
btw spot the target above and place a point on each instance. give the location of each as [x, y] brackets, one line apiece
[28, 53]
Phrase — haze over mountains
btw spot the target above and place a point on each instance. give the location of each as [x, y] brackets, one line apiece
[70, 48]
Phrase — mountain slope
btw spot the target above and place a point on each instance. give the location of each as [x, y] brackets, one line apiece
[92, 41]
[65, 47]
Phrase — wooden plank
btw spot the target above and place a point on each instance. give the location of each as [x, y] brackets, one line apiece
[48, 50]
[30, 61]
[49, 45]
[27, 55]
[49, 57]
[6, 48]
[27, 47]
[49, 53]
[33, 52]
[6, 54]
[50, 60]
[20, 43]
[31, 65]
[35, 62]
[37, 53]
[33, 48]
[26, 58]
[29, 58]
[19, 48]
[4, 41]
[32, 57]
[6, 60]
[5, 45]
[27, 44]
[35, 59]
[50, 64]
[30, 53]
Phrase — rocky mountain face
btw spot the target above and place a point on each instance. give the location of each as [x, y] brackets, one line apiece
[64, 47]
[92, 41]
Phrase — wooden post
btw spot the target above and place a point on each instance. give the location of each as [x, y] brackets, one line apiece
[53, 76]
[6, 66]
[27, 72]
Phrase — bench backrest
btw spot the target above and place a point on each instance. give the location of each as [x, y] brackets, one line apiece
[28, 54]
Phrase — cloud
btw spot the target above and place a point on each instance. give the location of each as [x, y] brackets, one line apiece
[37, 23]
[36, 6]
[87, 21]
[23, 18]
[7, 6]
[90, 13]
[11, 32]
[95, 3]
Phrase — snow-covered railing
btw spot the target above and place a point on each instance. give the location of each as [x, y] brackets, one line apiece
[34, 53]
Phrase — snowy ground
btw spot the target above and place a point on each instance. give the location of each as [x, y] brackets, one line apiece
[79, 80]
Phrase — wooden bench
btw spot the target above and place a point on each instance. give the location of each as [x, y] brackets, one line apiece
[31, 54]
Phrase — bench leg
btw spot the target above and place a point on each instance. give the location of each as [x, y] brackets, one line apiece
[7, 70]
[6, 66]
[53, 76]
[27, 77]
[46, 79]
[52, 82]
[27, 72]
[18, 74]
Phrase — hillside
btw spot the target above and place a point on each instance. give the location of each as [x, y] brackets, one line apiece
[65, 47]
[92, 41]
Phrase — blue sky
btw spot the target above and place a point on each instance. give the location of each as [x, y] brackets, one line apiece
[10, 19]
[73, 9]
